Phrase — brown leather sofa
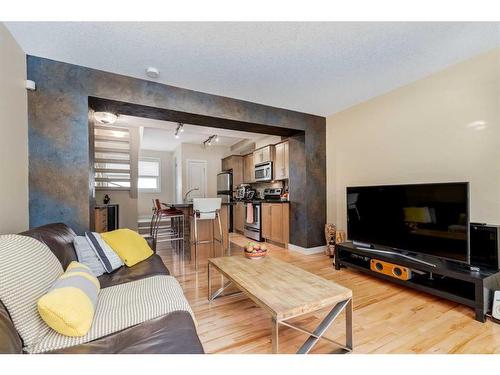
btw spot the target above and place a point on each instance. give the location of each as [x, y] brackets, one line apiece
[174, 333]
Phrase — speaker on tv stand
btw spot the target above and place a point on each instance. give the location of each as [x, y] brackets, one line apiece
[485, 246]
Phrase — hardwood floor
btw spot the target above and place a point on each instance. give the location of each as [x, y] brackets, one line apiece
[387, 318]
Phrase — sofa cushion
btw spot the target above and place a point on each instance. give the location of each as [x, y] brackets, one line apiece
[27, 271]
[69, 305]
[59, 238]
[124, 306]
[174, 333]
[150, 267]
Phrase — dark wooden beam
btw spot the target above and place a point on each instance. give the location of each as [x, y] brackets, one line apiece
[140, 110]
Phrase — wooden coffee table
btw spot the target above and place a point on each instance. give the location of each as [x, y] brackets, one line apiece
[285, 292]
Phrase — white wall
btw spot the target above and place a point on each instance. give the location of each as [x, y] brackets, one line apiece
[13, 136]
[429, 131]
[166, 195]
[178, 173]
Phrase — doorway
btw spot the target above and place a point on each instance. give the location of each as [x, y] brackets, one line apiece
[196, 179]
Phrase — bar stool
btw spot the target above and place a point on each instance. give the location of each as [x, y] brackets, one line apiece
[174, 234]
[205, 209]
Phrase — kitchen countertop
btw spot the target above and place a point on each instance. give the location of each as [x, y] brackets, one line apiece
[187, 205]
[263, 201]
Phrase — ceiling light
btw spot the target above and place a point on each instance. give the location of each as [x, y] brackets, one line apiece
[105, 118]
[208, 141]
[179, 129]
[152, 72]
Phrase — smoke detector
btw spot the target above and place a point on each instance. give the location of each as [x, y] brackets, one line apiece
[152, 72]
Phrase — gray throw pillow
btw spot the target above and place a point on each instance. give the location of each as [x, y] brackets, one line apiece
[109, 259]
[87, 255]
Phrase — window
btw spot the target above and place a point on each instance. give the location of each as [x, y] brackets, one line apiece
[149, 175]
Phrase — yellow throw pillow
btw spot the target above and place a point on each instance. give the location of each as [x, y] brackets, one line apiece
[130, 246]
[69, 306]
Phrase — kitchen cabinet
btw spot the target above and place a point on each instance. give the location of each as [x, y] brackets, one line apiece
[263, 154]
[248, 169]
[281, 161]
[266, 221]
[276, 222]
[239, 217]
[235, 164]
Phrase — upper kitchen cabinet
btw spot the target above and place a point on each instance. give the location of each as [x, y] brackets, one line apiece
[281, 164]
[248, 169]
[263, 154]
[234, 163]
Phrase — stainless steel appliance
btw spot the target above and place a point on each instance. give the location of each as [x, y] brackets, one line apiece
[224, 182]
[263, 172]
[273, 193]
[250, 194]
[253, 229]
[241, 191]
[225, 192]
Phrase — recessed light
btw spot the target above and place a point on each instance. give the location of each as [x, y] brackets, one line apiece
[152, 72]
[105, 118]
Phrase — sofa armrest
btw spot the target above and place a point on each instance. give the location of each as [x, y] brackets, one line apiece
[151, 242]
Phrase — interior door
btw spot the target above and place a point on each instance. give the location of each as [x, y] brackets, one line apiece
[197, 178]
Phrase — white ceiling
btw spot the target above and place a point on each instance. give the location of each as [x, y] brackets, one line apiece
[160, 135]
[317, 68]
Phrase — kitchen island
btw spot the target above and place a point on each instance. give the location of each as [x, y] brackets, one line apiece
[207, 230]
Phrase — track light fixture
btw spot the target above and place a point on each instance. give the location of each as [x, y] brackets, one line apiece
[209, 140]
[180, 129]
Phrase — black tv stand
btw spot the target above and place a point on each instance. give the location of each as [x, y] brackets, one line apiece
[395, 253]
[443, 278]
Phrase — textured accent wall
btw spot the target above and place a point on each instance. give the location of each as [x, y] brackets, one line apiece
[59, 146]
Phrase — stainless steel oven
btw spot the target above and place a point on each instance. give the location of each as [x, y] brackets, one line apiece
[253, 229]
[263, 171]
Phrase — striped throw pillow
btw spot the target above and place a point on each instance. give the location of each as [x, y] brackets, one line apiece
[68, 308]
[109, 259]
[86, 255]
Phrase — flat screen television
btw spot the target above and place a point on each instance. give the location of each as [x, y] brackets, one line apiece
[430, 219]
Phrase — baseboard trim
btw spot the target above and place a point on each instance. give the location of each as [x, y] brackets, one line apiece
[307, 250]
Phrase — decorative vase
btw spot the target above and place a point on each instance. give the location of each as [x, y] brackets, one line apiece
[330, 237]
